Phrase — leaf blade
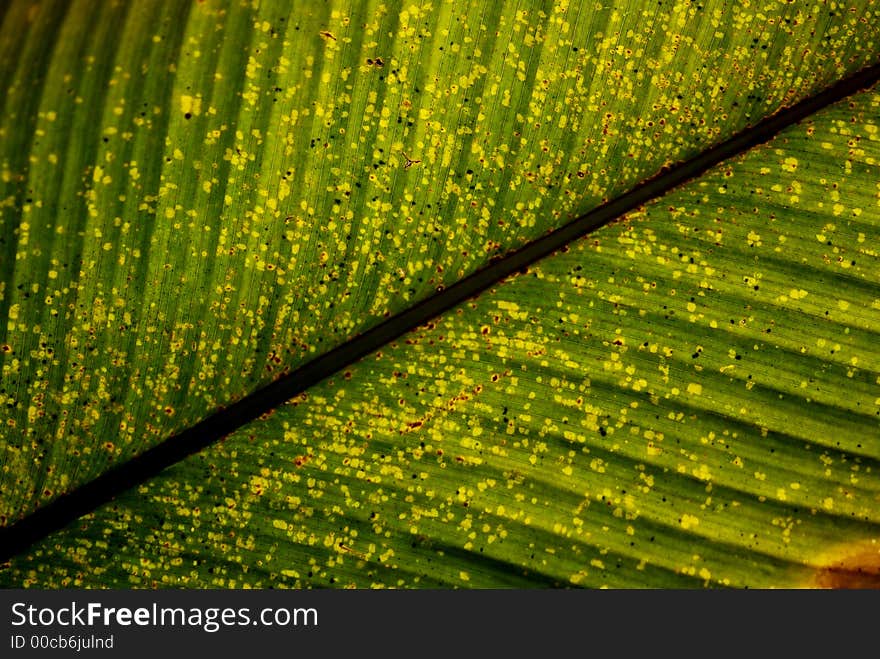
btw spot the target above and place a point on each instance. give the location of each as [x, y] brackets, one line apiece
[592, 443]
[167, 383]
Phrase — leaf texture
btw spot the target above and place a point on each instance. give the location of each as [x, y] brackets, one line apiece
[198, 197]
[688, 397]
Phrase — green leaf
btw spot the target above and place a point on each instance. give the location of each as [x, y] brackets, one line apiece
[688, 397]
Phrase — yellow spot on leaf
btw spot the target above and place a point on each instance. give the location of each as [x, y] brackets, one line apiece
[687, 521]
[191, 104]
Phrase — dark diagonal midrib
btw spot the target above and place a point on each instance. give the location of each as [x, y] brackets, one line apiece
[18, 537]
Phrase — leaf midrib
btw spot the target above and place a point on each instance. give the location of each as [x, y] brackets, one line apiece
[68, 507]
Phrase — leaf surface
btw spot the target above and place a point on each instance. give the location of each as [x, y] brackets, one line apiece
[687, 397]
[197, 198]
